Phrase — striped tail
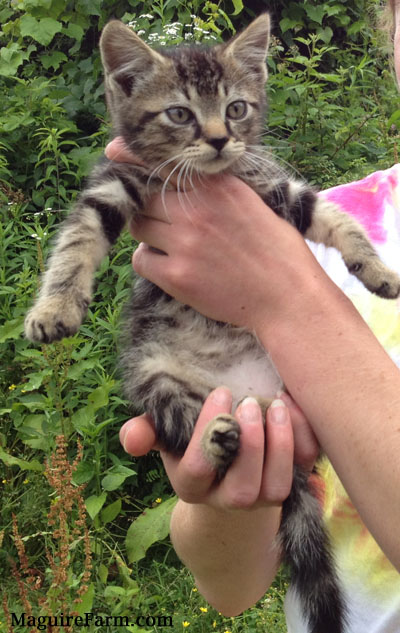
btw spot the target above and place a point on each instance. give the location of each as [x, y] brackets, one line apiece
[306, 549]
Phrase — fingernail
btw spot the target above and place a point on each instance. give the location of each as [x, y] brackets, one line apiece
[124, 432]
[278, 412]
[221, 396]
[249, 410]
[285, 397]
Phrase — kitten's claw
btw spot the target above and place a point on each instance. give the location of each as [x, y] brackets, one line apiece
[221, 441]
[54, 318]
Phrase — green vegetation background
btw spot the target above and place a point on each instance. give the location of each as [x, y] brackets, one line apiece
[333, 117]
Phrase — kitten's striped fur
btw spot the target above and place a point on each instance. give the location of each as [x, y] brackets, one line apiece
[198, 110]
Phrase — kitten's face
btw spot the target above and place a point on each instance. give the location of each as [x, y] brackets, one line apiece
[193, 108]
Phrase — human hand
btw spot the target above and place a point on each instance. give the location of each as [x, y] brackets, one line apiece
[228, 255]
[221, 250]
[261, 474]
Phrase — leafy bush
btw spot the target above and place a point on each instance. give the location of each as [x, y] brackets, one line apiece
[330, 117]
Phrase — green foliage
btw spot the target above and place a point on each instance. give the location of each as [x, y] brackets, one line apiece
[333, 117]
[152, 526]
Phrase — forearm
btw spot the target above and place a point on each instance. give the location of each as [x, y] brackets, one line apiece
[349, 389]
[232, 555]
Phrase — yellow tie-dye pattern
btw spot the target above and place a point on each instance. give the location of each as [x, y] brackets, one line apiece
[383, 317]
[359, 558]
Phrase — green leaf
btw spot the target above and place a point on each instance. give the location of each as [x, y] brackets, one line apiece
[83, 419]
[77, 369]
[74, 31]
[238, 6]
[83, 473]
[111, 511]
[90, 7]
[36, 379]
[12, 329]
[149, 528]
[99, 396]
[315, 13]
[113, 591]
[23, 464]
[103, 573]
[116, 477]
[42, 30]
[32, 401]
[53, 61]
[86, 601]
[11, 57]
[287, 23]
[94, 504]
[395, 116]
[325, 34]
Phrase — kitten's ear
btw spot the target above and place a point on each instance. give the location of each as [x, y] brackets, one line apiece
[250, 47]
[125, 56]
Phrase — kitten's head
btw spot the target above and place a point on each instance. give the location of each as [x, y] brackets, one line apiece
[194, 104]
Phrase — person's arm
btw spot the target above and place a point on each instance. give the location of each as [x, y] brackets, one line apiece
[225, 532]
[234, 260]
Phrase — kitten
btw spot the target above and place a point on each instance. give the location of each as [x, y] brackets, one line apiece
[199, 109]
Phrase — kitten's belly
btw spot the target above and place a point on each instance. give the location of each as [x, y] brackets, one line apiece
[250, 377]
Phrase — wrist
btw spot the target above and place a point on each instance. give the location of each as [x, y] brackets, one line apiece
[305, 295]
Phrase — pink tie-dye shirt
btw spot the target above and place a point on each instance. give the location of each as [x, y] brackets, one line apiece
[371, 583]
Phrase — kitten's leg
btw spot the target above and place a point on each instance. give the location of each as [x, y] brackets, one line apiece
[221, 439]
[84, 240]
[335, 228]
[170, 392]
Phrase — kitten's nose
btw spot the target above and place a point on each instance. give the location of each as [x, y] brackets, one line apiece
[218, 142]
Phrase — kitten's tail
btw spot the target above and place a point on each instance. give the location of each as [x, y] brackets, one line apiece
[306, 549]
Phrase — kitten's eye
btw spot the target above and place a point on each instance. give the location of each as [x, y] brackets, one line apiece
[179, 115]
[237, 110]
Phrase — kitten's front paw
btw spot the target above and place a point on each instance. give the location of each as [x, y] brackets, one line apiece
[221, 441]
[377, 277]
[54, 318]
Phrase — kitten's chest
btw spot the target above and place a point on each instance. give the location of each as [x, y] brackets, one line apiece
[230, 356]
[249, 375]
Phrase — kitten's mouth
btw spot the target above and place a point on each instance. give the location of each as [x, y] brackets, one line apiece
[217, 164]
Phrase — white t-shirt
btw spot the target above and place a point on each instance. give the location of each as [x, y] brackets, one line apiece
[370, 583]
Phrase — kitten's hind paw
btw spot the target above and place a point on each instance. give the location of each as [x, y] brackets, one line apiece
[221, 441]
[54, 318]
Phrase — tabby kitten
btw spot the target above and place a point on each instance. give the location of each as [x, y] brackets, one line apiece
[198, 110]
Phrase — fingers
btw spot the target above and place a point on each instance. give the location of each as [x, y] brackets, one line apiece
[306, 447]
[138, 436]
[262, 472]
[278, 468]
[118, 151]
[192, 476]
[240, 488]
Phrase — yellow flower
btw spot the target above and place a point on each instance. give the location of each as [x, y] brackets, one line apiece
[4, 481]
[26, 481]
[158, 500]
[214, 624]
[23, 390]
[194, 589]
[185, 624]
[12, 387]
[203, 609]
